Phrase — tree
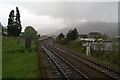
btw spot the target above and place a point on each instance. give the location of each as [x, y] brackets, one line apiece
[61, 36]
[4, 31]
[18, 22]
[72, 34]
[29, 35]
[38, 35]
[14, 24]
[60, 39]
[68, 36]
[75, 33]
[10, 26]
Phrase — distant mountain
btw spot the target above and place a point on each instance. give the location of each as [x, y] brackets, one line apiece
[108, 28]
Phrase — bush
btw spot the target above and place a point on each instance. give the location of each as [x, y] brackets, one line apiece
[61, 41]
[30, 49]
[22, 49]
[76, 44]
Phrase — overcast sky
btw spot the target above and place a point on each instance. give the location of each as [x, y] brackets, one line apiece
[47, 17]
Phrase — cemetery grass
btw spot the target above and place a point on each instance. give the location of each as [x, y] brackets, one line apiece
[17, 62]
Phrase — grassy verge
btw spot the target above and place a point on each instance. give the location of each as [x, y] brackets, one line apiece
[18, 62]
[105, 62]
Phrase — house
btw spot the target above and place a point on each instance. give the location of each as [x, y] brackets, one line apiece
[83, 36]
[94, 35]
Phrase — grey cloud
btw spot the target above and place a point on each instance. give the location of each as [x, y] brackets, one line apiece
[71, 13]
[92, 11]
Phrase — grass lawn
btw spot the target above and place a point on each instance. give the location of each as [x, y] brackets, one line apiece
[18, 62]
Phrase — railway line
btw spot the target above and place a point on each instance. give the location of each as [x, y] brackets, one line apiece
[66, 69]
[103, 69]
[90, 68]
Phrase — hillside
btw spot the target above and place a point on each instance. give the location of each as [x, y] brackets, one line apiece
[109, 28]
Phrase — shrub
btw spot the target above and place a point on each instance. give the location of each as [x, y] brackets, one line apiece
[30, 49]
[22, 49]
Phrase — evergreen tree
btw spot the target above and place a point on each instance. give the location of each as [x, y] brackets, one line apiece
[68, 36]
[10, 23]
[18, 22]
[61, 36]
[72, 34]
[75, 33]
[14, 24]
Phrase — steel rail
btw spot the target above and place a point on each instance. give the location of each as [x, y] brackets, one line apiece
[46, 51]
[66, 76]
[114, 76]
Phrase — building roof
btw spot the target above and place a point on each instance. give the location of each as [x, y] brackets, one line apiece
[95, 33]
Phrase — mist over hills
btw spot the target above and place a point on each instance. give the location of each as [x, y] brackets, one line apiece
[111, 29]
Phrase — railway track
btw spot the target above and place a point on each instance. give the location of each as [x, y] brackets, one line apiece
[112, 73]
[66, 69]
[99, 67]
